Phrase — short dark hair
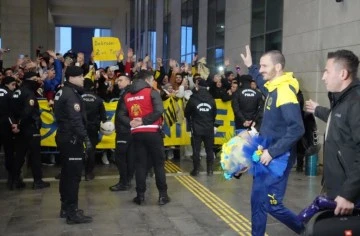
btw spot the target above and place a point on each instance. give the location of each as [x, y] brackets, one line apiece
[144, 74]
[179, 74]
[348, 59]
[228, 73]
[196, 75]
[276, 57]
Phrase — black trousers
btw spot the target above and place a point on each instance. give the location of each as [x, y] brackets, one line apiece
[124, 157]
[93, 134]
[7, 141]
[27, 144]
[72, 154]
[149, 147]
[208, 144]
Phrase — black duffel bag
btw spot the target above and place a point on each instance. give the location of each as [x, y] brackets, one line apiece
[326, 224]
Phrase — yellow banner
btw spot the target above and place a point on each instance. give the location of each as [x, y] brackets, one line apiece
[105, 48]
[49, 126]
[177, 134]
[174, 135]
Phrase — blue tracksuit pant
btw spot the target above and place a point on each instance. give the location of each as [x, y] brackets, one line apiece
[267, 197]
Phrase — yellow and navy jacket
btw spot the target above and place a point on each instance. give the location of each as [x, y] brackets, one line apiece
[282, 121]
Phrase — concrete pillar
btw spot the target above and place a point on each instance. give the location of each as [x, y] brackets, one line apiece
[15, 29]
[175, 30]
[39, 25]
[202, 28]
[121, 26]
[51, 31]
[159, 28]
[237, 30]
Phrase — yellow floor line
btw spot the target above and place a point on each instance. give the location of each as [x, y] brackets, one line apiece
[218, 199]
[239, 223]
[225, 219]
[216, 206]
[207, 199]
[169, 168]
[173, 166]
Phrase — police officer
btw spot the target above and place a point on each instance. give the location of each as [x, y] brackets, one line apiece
[247, 104]
[95, 113]
[26, 125]
[8, 85]
[144, 107]
[123, 152]
[200, 112]
[70, 139]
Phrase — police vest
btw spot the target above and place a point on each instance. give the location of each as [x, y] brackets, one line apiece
[140, 105]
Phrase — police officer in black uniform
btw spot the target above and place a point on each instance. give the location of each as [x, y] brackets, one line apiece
[95, 113]
[26, 124]
[200, 112]
[124, 157]
[247, 104]
[144, 107]
[8, 85]
[71, 137]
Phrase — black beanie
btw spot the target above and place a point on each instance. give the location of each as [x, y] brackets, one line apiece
[73, 71]
[29, 75]
[8, 80]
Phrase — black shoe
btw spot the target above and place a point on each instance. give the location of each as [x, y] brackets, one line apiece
[89, 176]
[139, 199]
[299, 169]
[19, 184]
[63, 213]
[40, 184]
[58, 176]
[78, 217]
[194, 172]
[210, 173]
[164, 200]
[10, 184]
[120, 187]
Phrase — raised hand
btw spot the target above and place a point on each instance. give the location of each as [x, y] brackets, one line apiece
[227, 62]
[247, 58]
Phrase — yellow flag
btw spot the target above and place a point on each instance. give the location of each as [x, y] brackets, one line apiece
[105, 48]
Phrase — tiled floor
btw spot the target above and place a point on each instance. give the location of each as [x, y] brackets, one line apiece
[29, 212]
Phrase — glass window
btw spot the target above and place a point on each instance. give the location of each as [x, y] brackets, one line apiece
[216, 33]
[189, 18]
[258, 17]
[257, 48]
[273, 41]
[274, 15]
[266, 27]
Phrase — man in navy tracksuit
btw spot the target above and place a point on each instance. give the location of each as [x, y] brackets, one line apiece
[283, 125]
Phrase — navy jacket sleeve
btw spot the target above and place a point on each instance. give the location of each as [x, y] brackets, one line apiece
[259, 79]
[294, 130]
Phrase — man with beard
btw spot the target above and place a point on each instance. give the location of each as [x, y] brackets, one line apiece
[282, 124]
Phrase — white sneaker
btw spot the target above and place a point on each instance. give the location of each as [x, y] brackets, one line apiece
[170, 154]
[52, 159]
[104, 159]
